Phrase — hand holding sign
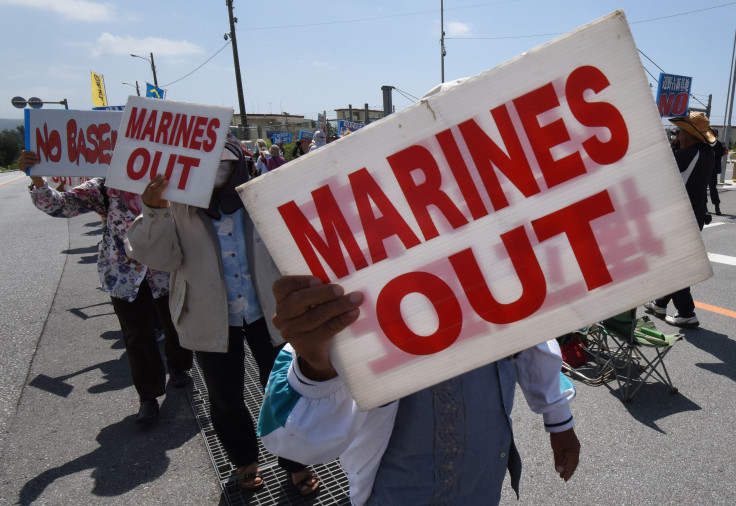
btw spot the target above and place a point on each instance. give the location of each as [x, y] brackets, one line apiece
[308, 315]
[151, 196]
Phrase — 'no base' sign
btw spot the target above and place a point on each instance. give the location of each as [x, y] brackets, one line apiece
[519, 205]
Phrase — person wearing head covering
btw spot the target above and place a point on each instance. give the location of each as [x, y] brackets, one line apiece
[695, 160]
[450, 443]
[319, 139]
[221, 276]
[276, 159]
[136, 291]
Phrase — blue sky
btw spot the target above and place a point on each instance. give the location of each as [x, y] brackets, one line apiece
[306, 57]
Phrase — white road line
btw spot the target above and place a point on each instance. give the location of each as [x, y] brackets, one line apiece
[721, 259]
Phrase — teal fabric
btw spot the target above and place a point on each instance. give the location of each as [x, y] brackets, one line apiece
[566, 383]
[280, 397]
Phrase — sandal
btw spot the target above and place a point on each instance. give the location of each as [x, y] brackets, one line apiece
[248, 482]
[307, 485]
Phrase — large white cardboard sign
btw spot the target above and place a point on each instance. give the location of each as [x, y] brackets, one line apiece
[71, 143]
[526, 202]
[182, 141]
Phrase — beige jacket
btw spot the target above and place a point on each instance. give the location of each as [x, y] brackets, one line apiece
[182, 240]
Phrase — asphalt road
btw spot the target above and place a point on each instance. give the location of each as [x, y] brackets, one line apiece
[67, 437]
[67, 428]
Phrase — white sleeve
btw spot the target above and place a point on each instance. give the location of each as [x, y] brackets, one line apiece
[546, 390]
[317, 422]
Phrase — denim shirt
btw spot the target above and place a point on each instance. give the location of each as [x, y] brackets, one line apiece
[242, 300]
[452, 443]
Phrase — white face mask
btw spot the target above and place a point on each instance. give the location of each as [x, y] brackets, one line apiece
[223, 172]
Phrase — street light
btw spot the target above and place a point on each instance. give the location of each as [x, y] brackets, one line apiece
[153, 67]
[137, 89]
[34, 102]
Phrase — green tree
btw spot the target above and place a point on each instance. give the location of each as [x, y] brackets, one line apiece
[11, 144]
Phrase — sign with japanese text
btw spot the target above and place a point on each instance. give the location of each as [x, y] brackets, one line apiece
[184, 142]
[305, 135]
[502, 212]
[345, 127]
[71, 143]
[280, 137]
[673, 95]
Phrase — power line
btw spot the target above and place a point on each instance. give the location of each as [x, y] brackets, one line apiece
[202, 65]
[375, 18]
[561, 33]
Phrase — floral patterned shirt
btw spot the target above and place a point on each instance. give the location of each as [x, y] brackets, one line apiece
[120, 275]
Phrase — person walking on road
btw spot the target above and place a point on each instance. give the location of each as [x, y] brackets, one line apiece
[222, 275]
[695, 161]
[136, 291]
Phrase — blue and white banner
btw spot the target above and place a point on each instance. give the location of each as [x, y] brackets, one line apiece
[345, 127]
[673, 95]
[280, 137]
[305, 135]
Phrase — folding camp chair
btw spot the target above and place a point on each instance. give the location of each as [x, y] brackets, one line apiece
[586, 357]
[629, 341]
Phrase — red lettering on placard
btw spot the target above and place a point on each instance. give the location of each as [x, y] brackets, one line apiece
[390, 223]
[544, 138]
[679, 108]
[184, 131]
[187, 162]
[337, 235]
[149, 130]
[665, 102]
[198, 132]
[597, 114]
[388, 313]
[145, 157]
[212, 127]
[162, 135]
[106, 144]
[528, 270]
[94, 148]
[487, 156]
[462, 175]
[420, 196]
[135, 123]
[48, 144]
[574, 221]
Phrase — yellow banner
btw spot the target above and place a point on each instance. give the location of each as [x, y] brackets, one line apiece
[98, 90]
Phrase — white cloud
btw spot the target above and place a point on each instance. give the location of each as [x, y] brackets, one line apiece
[319, 64]
[112, 44]
[458, 29]
[78, 10]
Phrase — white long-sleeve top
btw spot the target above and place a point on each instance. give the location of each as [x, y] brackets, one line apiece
[317, 422]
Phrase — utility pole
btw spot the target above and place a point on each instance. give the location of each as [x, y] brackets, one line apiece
[241, 100]
[153, 69]
[442, 38]
[729, 106]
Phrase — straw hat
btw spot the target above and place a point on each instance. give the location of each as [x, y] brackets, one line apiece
[697, 125]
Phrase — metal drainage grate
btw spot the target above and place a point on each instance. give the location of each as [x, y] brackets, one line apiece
[278, 490]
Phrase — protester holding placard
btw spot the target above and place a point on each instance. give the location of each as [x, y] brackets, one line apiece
[221, 279]
[450, 443]
[136, 291]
